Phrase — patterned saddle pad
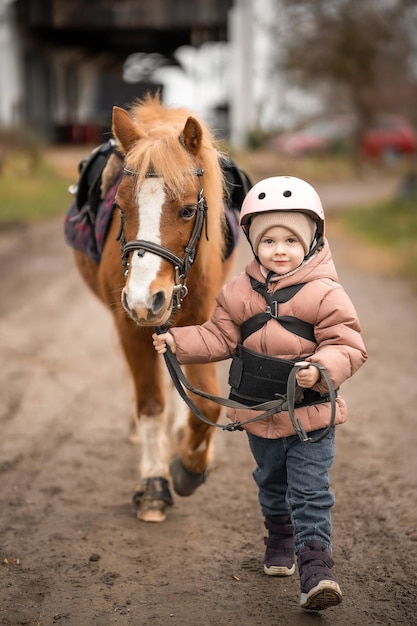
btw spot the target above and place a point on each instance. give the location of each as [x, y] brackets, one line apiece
[87, 231]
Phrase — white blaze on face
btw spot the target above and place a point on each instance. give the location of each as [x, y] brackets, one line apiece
[143, 270]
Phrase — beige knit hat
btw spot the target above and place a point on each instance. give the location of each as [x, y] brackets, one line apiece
[298, 223]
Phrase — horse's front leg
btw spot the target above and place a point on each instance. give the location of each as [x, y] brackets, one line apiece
[152, 496]
[190, 469]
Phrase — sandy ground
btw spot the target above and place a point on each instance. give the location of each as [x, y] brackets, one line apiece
[71, 549]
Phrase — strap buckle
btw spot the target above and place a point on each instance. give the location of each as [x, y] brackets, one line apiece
[272, 309]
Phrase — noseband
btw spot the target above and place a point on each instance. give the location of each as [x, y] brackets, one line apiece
[181, 265]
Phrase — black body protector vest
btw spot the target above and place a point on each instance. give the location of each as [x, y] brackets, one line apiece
[256, 378]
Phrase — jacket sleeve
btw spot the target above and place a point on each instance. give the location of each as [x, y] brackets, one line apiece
[340, 348]
[215, 340]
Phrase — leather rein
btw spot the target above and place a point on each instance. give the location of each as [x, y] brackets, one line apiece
[181, 265]
[280, 403]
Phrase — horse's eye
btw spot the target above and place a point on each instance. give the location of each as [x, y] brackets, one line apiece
[188, 211]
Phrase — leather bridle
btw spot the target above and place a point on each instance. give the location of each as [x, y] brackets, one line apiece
[181, 265]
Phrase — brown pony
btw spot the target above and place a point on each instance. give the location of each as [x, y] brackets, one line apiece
[171, 228]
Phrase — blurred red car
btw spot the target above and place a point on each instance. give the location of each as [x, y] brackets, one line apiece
[389, 135]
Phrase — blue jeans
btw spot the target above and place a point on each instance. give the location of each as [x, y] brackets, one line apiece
[293, 479]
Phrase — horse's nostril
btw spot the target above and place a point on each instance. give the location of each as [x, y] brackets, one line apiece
[158, 301]
[124, 300]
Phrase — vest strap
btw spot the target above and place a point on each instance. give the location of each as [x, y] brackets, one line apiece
[292, 324]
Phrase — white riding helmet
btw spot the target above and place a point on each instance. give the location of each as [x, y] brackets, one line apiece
[283, 193]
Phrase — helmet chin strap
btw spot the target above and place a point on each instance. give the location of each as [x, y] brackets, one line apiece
[319, 241]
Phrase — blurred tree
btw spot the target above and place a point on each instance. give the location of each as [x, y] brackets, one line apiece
[360, 54]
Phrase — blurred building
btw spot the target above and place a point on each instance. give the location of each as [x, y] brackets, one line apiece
[64, 64]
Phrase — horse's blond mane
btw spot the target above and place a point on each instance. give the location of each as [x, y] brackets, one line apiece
[160, 150]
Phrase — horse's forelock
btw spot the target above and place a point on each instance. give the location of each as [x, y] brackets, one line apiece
[164, 158]
[160, 150]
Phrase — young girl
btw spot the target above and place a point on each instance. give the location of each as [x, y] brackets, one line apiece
[310, 319]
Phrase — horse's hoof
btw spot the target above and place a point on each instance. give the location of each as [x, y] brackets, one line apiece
[185, 482]
[151, 514]
[152, 499]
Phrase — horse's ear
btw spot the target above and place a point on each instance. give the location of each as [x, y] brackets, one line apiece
[124, 129]
[191, 136]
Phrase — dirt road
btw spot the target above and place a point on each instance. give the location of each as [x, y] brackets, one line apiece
[72, 551]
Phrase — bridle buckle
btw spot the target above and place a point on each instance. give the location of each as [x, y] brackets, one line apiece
[180, 289]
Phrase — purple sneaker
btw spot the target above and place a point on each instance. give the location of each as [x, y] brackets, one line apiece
[319, 586]
[279, 554]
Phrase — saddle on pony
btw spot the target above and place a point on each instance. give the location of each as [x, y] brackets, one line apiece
[88, 217]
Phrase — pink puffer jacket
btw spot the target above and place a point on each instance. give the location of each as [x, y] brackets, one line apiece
[322, 302]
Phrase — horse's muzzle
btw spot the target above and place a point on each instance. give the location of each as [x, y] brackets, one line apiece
[156, 315]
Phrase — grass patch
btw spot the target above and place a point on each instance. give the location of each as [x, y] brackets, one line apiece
[28, 195]
[391, 224]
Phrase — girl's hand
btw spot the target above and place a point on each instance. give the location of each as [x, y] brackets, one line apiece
[160, 342]
[308, 376]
